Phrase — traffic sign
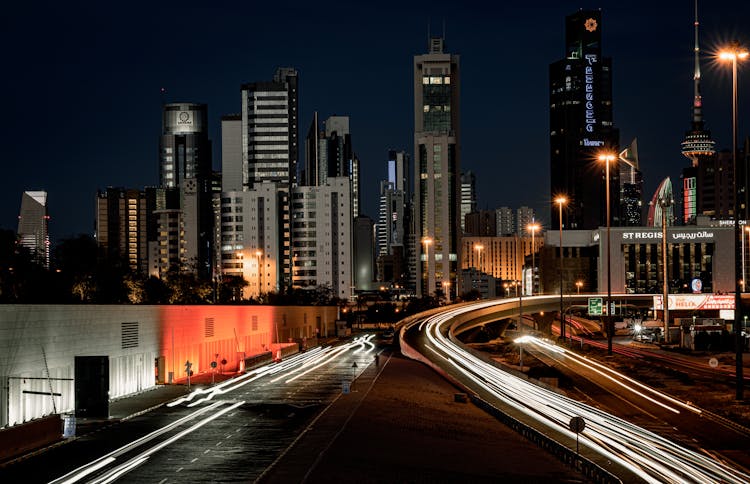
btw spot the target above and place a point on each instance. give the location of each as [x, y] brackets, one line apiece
[577, 424]
[595, 306]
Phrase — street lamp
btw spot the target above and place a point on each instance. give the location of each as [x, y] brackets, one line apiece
[258, 254]
[734, 53]
[578, 286]
[447, 291]
[608, 158]
[560, 201]
[533, 227]
[479, 248]
[427, 241]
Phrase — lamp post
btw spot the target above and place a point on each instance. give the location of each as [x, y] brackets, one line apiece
[447, 291]
[479, 248]
[560, 201]
[533, 227]
[258, 254]
[578, 286]
[608, 158]
[734, 53]
[427, 241]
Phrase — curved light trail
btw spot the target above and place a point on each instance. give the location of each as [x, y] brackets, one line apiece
[647, 455]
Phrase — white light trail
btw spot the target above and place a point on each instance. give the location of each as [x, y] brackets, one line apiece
[648, 455]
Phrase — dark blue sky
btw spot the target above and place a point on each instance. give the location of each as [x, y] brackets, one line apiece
[81, 85]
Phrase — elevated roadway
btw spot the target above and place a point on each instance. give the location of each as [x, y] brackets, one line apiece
[618, 447]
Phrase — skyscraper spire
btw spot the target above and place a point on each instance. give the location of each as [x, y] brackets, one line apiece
[697, 108]
[697, 142]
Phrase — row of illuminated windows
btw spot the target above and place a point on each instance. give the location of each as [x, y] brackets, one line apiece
[436, 79]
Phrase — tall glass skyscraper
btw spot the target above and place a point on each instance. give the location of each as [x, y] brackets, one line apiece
[437, 168]
[581, 126]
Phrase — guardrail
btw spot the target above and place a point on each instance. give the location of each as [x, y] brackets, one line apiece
[588, 468]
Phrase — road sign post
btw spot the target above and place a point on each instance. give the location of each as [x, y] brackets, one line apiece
[577, 424]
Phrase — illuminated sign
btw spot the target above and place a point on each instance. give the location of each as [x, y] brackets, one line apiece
[692, 302]
[588, 85]
[592, 142]
[673, 237]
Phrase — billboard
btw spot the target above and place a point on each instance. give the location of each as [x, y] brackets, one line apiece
[692, 302]
[186, 118]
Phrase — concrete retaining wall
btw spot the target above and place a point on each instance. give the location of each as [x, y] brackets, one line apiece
[144, 345]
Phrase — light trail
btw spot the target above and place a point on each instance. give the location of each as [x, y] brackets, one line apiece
[647, 455]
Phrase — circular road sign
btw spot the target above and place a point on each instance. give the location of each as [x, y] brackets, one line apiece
[213, 364]
[713, 362]
[577, 424]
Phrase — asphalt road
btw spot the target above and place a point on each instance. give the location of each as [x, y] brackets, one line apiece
[231, 437]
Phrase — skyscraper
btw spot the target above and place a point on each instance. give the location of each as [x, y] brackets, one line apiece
[506, 224]
[185, 162]
[698, 179]
[33, 226]
[468, 196]
[185, 150]
[270, 147]
[581, 125]
[329, 153]
[437, 168]
[631, 186]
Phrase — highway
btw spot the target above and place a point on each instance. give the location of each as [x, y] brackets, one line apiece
[635, 453]
[230, 432]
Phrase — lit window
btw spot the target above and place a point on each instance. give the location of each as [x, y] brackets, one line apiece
[425, 80]
[436, 80]
[447, 80]
[427, 108]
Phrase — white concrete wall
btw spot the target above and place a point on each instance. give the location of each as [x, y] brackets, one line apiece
[176, 333]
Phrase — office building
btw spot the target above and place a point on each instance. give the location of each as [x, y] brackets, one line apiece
[33, 226]
[699, 178]
[250, 235]
[631, 186]
[329, 153]
[322, 237]
[468, 196]
[270, 147]
[185, 162]
[581, 126]
[505, 221]
[437, 168]
[125, 224]
[231, 153]
[480, 223]
[525, 217]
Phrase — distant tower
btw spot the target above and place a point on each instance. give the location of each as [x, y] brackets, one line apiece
[506, 224]
[663, 200]
[631, 186]
[437, 168]
[525, 216]
[698, 184]
[33, 230]
[468, 196]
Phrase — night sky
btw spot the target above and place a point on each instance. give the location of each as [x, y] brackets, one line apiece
[81, 86]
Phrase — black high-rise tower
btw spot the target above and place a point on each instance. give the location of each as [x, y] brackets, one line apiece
[581, 126]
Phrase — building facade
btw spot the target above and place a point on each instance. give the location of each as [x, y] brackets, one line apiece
[437, 168]
[33, 226]
[250, 236]
[468, 196]
[270, 147]
[322, 237]
[506, 221]
[581, 126]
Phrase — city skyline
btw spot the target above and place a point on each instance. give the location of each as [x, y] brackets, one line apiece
[83, 80]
